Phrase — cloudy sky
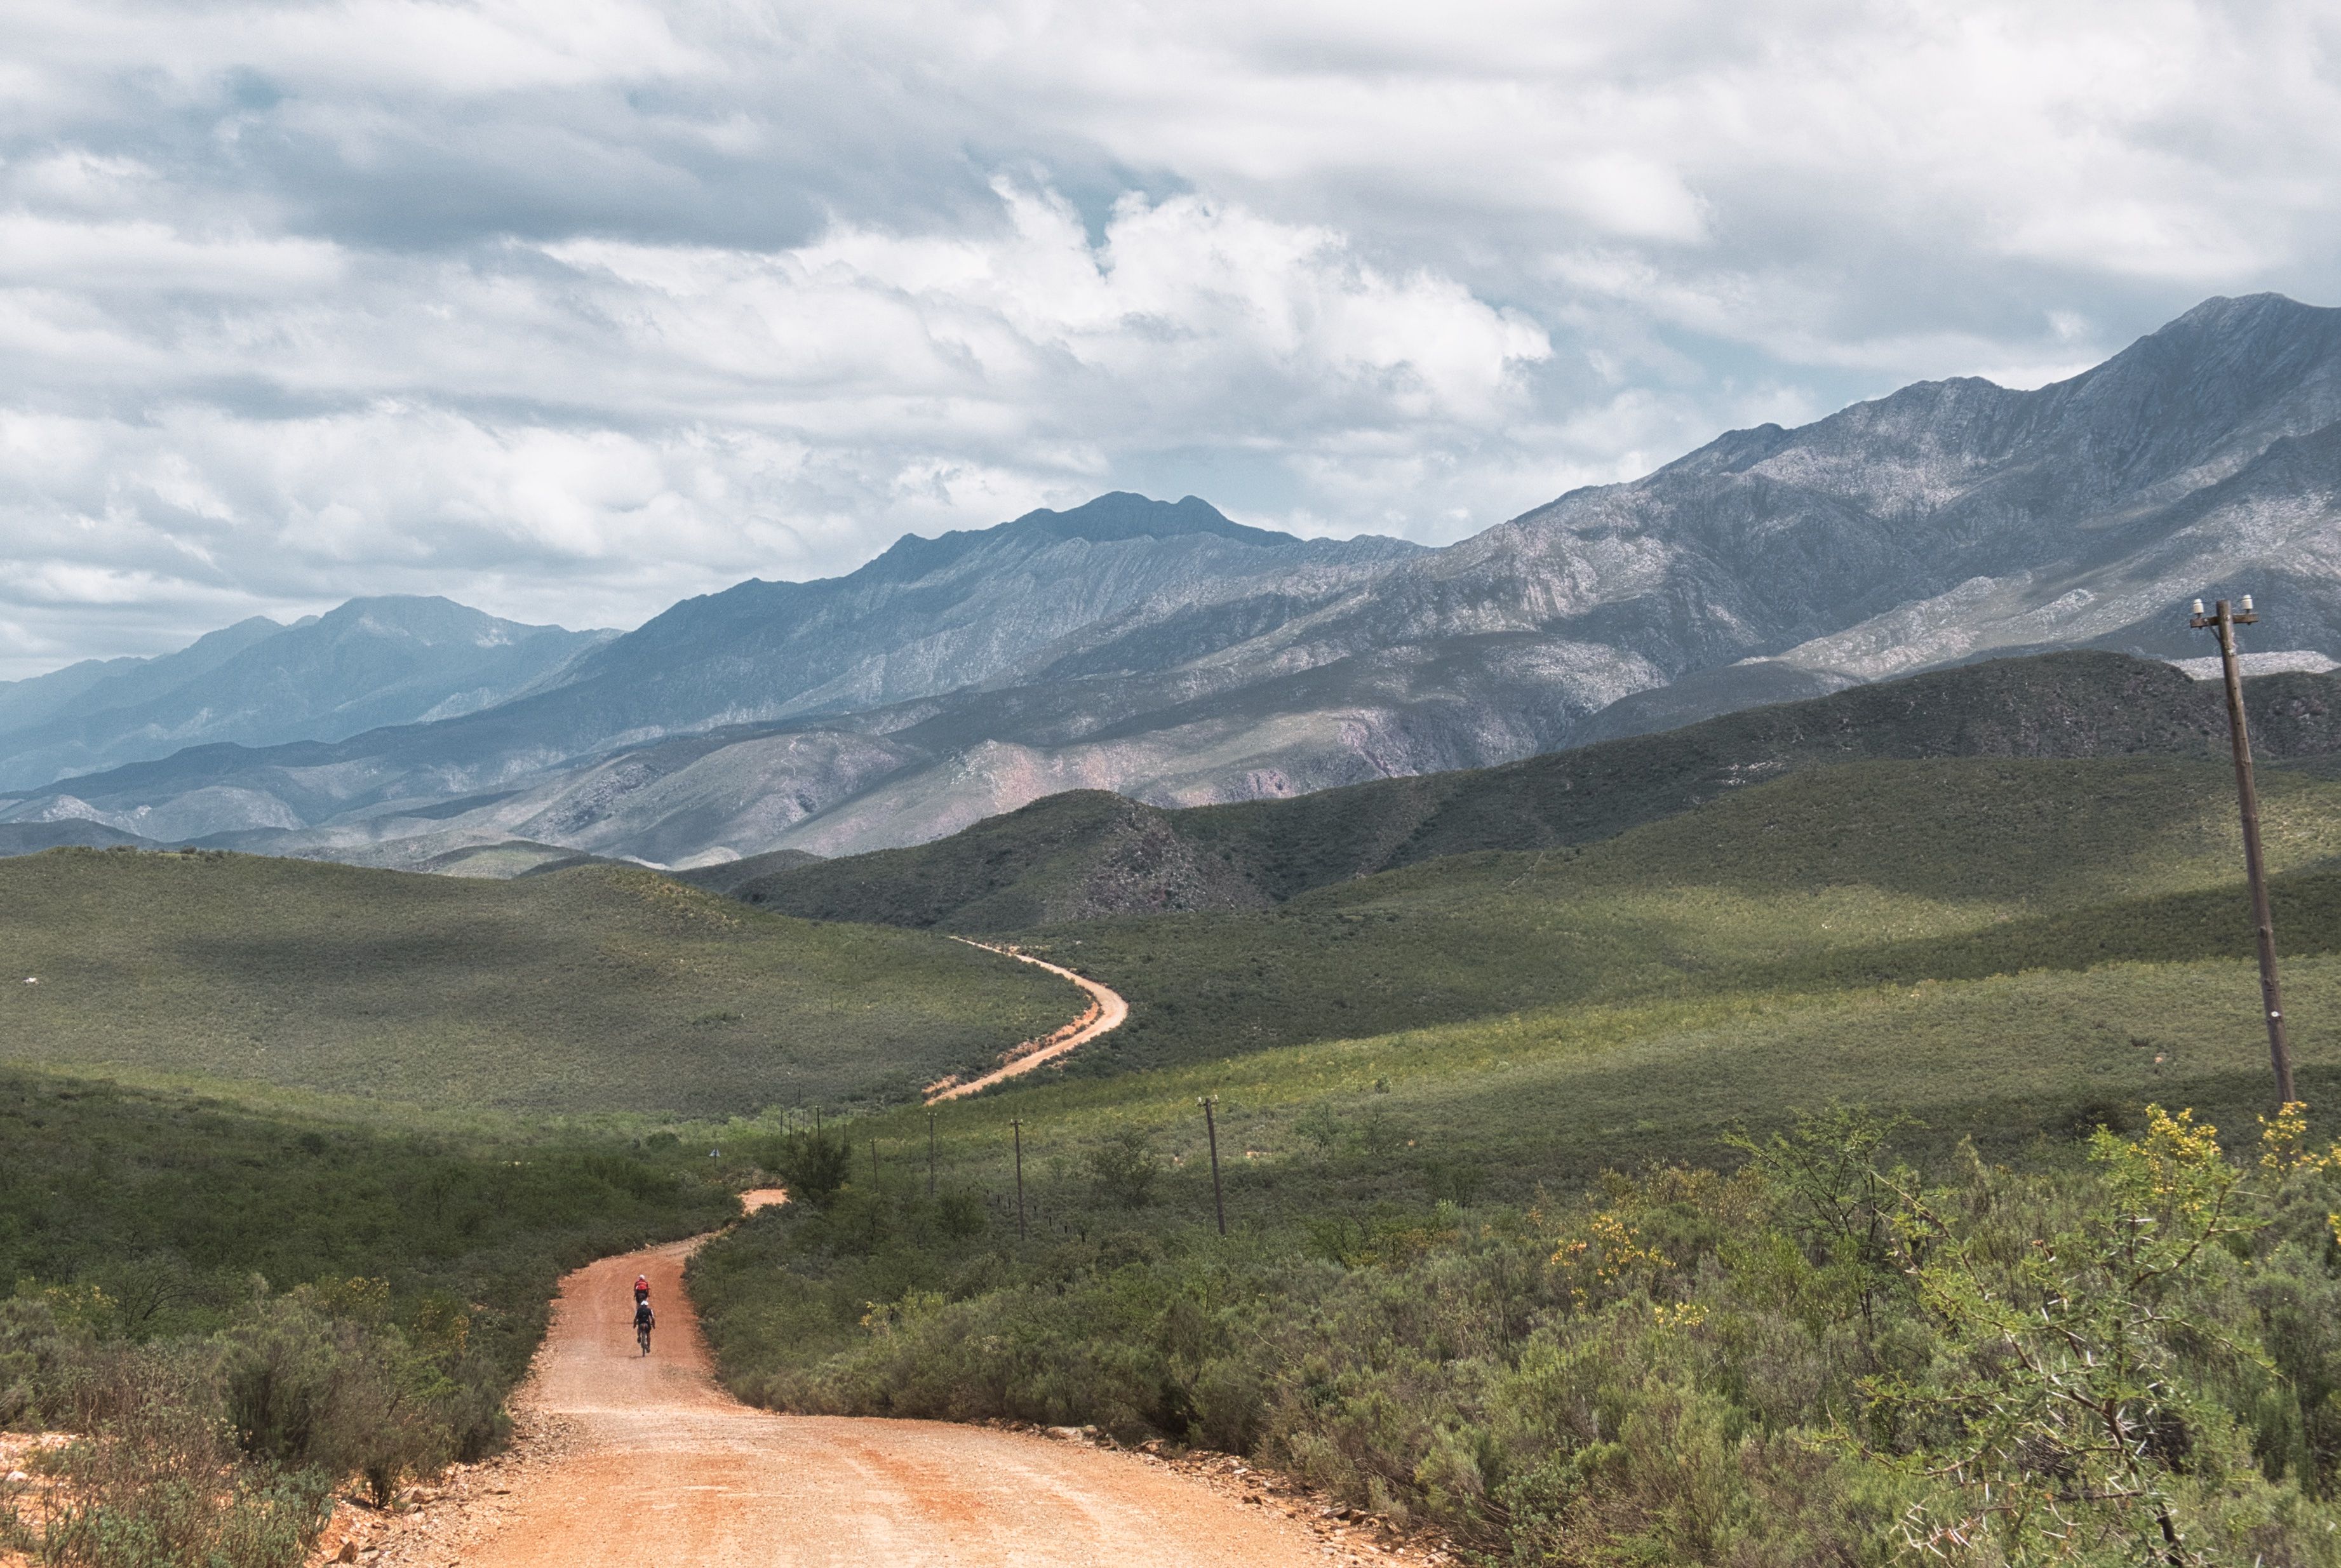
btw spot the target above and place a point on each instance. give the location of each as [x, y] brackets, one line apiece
[569, 309]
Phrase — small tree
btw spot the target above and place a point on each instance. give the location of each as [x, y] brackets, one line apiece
[1828, 1189]
[1379, 1134]
[1124, 1168]
[1459, 1182]
[1321, 1127]
[2055, 1425]
[811, 1165]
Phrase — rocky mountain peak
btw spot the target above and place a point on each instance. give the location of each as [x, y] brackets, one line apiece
[1117, 517]
[2229, 376]
[1118, 514]
[428, 620]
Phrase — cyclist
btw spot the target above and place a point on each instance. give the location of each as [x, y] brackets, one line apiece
[644, 1320]
[641, 1289]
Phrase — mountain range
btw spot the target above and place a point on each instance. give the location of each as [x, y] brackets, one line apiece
[371, 662]
[1168, 654]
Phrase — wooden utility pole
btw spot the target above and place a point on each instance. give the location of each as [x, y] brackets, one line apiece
[2225, 620]
[1211, 1130]
[1017, 1127]
[873, 1162]
[931, 1154]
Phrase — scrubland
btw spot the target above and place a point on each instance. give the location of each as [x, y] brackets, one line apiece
[1665, 1200]
[291, 1155]
[237, 1311]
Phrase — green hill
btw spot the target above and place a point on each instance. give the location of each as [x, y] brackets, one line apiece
[729, 875]
[1841, 874]
[597, 989]
[1086, 854]
[1440, 1089]
[170, 1203]
[2003, 948]
[514, 857]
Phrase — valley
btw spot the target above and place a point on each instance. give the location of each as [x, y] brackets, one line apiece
[1445, 1024]
[1657, 974]
[1169, 786]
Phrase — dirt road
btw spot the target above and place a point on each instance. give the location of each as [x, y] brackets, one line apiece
[662, 1467]
[1107, 1011]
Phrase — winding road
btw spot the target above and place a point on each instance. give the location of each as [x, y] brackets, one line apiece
[662, 1467]
[1107, 1012]
[650, 1462]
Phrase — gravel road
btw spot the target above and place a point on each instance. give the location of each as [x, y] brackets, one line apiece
[661, 1466]
[1107, 1012]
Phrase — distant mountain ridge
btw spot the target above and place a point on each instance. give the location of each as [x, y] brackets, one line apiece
[27, 703]
[1949, 520]
[620, 736]
[1164, 653]
[369, 662]
[930, 615]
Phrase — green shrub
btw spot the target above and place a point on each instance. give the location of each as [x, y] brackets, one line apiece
[1820, 1358]
[307, 1390]
[1124, 1167]
[811, 1165]
[40, 1357]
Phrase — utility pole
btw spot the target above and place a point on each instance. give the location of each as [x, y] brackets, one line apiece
[2225, 620]
[1211, 1130]
[931, 1154]
[873, 1162]
[1017, 1127]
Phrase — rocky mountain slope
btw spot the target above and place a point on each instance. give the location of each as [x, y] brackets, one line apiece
[1086, 854]
[1949, 520]
[1166, 653]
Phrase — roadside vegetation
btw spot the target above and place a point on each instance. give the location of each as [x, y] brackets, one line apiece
[1519, 1158]
[351, 1128]
[237, 1313]
[1756, 1176]
[2129, 1353]
[598, 990]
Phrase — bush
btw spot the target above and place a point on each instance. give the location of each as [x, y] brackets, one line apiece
[1819, 1359]
[40, 1358]
[811, 1165]
[1124, 1168]
[158, 1482]
[302, 1389]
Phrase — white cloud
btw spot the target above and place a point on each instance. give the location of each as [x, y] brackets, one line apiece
[542, 423]
[566, 309]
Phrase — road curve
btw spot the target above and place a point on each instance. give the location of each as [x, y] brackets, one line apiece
[1107, 1012]
[666, 1468]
